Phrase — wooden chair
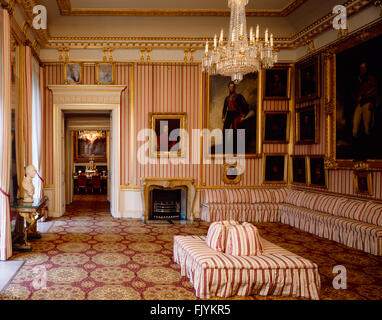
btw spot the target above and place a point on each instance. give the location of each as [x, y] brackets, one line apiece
[96, 183]
[82, 183]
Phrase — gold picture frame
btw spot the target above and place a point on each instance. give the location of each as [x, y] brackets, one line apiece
[80, 157]
[230, 177]
[317, 173]
[295, 173]
[304, 131]
[276, 93]
[274, 130]
[363, 182]
[308, 79]
[105, 73]
[159, 134]
[272, 161]
[73, 72]
[331, 107]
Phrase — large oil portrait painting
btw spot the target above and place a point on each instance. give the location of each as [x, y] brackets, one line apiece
[359, 101]
[90, 145]
[233, 106]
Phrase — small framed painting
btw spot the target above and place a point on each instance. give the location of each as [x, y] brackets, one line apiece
[276, 127]
[307, 125]
[298, 166]
[105, 73]
[318, 175]
[308, 79]
[275, 168]
[73, 73]
[363, 182]
[277, 83]
[168, 134]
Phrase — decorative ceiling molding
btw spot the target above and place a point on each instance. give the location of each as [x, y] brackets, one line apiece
[66, 9]
[42, 34]
[301, 38]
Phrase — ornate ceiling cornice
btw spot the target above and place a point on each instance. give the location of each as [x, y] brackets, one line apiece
[42, 34]
[66, 9]
[301, 38]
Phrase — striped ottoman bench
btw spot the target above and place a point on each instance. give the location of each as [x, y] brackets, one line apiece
[276, 272]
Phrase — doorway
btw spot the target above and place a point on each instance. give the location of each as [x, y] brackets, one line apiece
[85, 98]
[87, 156]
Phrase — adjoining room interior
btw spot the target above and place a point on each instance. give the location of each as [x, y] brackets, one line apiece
[205, 150]
[87, 151]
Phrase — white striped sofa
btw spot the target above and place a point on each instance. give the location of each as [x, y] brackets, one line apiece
[355, 223]
[276, 272]
[251, 205]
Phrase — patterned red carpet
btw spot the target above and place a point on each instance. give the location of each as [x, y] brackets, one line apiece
[87, 254]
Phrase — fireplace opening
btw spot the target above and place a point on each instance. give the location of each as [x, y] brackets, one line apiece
[168, 204]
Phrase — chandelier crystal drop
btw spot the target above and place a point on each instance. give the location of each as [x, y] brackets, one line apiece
[240, 55]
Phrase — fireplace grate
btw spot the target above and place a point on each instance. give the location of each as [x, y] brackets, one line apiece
[164, 210]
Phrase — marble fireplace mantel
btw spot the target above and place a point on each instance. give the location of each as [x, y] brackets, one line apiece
[168, 184]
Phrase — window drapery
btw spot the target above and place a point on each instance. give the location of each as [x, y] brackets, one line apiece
[5, 134]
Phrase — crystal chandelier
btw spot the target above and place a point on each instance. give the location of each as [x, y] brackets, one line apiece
[239, 55]
[91, 135]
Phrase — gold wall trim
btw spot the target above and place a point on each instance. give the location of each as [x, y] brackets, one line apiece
[66, 9]
[272, 186]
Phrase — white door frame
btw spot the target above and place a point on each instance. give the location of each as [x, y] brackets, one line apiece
[62, 100]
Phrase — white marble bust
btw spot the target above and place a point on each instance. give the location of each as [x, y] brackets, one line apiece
[28, 183]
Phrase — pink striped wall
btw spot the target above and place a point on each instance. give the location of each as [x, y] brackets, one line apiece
[53, 75]
[167, 87]
[176, 87]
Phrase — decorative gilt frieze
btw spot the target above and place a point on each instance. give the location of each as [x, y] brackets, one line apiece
[330, 163]
[42, 34]
[361, 166]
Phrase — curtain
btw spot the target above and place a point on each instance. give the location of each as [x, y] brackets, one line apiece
[5, 135]
[36, 128]
[27, 106]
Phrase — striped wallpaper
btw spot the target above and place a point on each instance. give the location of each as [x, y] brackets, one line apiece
[177, 87]
[167, 88]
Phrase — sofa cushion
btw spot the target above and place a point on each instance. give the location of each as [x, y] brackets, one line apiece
[216, 235]
[327, 204]
[279, 195]
[351, 209]
[294, 197]
[261, 196]
[309, 199]
[372, 213]
[243, 240]
[237, 195]
[214, 196]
